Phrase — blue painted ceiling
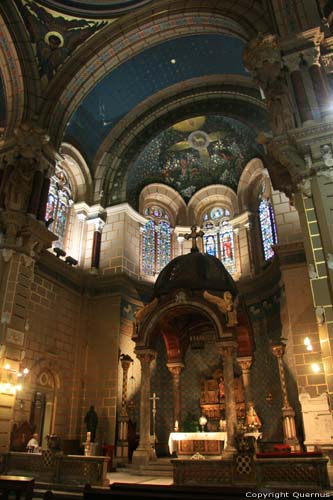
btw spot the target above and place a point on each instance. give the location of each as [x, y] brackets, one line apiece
[145, 74]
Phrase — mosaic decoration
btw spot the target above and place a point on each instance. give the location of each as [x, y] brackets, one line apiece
[54, 37]
[58, 205]
[267, 227]
[188, 159]
[156, 241]
[96, 8]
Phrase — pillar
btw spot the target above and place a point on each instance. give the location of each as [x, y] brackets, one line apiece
[96, 249]
[35, 196]
[175, 369]
[122, 444]
[43, 198]
[312, 56]
[144, 452]
[288, 413]
[245, 363]
[227, 350]
[292, 62]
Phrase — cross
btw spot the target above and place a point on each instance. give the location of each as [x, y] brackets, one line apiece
[194, 235]
[154, 399]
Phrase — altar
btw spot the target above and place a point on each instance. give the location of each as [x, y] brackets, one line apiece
[206, 443]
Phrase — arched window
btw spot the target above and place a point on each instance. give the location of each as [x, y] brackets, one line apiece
[267, 228]
[156, 241]
[219, 237]
[58, 205]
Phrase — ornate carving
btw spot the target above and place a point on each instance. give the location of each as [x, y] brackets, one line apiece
[292, 61]
[327, 62]
[262, 57]
[225, 305]
[311, 56]
[320, 315]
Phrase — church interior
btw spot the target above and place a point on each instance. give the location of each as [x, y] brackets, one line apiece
[166, 236]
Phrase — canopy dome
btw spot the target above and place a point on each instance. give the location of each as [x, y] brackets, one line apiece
[194, 271]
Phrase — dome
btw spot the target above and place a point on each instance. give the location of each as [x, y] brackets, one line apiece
[194, 271]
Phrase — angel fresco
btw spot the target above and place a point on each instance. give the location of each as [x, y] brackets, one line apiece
[55, 37]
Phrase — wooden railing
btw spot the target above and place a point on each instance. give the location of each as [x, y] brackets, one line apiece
[57, 468]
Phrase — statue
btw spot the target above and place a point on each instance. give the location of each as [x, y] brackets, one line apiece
[252, 419]
[91, 421]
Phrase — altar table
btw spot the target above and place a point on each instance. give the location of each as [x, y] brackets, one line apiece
[187, 443]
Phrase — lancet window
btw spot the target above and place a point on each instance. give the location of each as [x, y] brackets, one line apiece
[58, 205]
[219, 237]
[156, 241]
[267, 227]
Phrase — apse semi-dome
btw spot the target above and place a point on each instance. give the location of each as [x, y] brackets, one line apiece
[194, 271]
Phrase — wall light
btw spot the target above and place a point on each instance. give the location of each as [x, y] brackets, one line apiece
[307, 343]
[10, 378]
[315, 368]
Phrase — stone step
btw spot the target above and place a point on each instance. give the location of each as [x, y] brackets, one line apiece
[160, 468]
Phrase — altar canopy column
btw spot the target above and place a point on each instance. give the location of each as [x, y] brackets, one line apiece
[288, 413]
[245, 364]
[227, 350]
[144, 452]
[175, 369]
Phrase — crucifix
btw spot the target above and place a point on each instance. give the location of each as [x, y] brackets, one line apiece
[154, 399]
[194, 235]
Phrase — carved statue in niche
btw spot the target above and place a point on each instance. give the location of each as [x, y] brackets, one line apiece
[16, 188]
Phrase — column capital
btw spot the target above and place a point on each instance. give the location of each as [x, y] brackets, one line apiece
[175, 368]
[245, 362]
[327, 62]
[227, 349]
[292, 61]
[312, 56]
[262, 57]
[278, 350]
[126, 361]
[145, 356]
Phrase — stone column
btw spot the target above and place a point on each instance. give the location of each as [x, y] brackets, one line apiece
[36, 192]
[245, 363]
[292, 62]
[175, 369]
[288, 413]
[96, 250]
[144, 452]
[227, 350]
[327, 62]
[312, 56]
[122, 444]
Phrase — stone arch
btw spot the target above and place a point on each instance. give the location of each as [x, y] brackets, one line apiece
[116, 163]
[147, 330]
[77, 169]
[123, 39]
[209, 196]
[12, 79]
[167, 197]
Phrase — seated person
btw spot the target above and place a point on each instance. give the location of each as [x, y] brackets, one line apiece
[33, 444]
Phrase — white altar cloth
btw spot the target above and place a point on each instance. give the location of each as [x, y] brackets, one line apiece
[195, 436]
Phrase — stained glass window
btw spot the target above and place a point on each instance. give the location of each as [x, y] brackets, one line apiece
[156, 241]
[58, 205]
[267, 227]
[227, 247]
[163, 234]
[148, 248]
[210, 244]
